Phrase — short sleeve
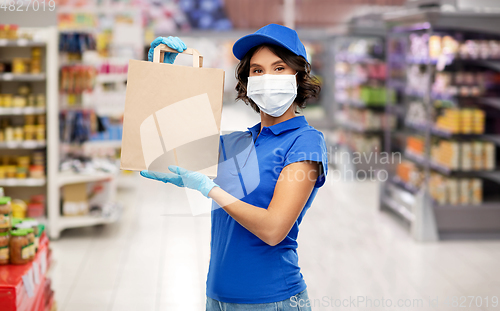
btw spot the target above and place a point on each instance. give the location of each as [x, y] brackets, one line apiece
[310, 146]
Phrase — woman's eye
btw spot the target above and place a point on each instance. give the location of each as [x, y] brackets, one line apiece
[257, 71]
[280, 68]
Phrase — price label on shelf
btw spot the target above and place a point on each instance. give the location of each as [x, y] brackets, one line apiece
[43, 262]
[29, 285]
[22, 42]
[3, 42]
[7, 76]
[36, 272]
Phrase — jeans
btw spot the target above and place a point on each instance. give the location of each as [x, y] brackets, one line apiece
[299, 302]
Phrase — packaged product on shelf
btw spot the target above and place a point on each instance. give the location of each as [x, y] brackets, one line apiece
[489, 156]
[30, 234]
[19, 101]
[36, 206]
[5, 214]
[476, 191]
[464, 191]
[477, 155]
[466, 156]
[20, 249]
[7, 100]
[19, 208]
[467, 121]
[452, 191]
[478, 123]
[40, 100]
[4, 248]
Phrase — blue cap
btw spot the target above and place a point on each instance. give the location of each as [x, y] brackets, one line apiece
[270, 34]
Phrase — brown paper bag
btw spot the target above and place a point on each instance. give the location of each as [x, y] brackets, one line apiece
[172, 115]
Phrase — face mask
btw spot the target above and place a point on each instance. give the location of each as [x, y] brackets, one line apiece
[274, 94]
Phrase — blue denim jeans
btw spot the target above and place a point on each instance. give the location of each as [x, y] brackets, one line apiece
[299, 302]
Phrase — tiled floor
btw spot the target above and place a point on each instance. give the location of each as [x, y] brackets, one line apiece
[156, 257]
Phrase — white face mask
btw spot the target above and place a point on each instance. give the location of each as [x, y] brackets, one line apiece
[274, 94]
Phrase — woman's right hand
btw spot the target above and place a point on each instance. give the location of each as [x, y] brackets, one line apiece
[173, 43]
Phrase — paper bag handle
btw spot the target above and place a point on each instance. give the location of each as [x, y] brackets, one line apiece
[159, 53]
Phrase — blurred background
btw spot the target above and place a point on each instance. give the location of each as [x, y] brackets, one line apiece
[409, 216]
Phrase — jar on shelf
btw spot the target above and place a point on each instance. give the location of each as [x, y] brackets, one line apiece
[3, 32]
[29, 132]
[33, 224]
[31, 100]
[40, 100]
[5, 214]
[40, 132]
[22, 172]
[9, 133]
[2, 172]
[10, 171]
[19, 65]
[27, 226]
[37, 171]
[7, 100]
[12, 32]
[4, 248]
[19, 101]
[19, 208]
[20, 250]
[18, 133]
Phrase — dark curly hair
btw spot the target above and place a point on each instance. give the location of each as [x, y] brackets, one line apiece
[308, 86]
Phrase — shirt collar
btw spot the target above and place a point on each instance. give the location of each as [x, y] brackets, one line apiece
[277, 129]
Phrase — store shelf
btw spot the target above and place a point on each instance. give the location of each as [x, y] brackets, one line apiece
[358, 128]
[360, 104]
[21, 111]
[22, 77]
[75, 178]
[111, 77]
[28, 182]
[398, 208]
[66, 222]
[411, 189]
[21, 42]
[104, 143]
[27, 144]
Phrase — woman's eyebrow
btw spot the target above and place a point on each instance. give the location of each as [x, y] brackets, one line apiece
[279, 61]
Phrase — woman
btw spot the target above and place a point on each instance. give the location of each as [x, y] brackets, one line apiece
[267, 178]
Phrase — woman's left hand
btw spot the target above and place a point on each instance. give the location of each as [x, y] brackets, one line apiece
[181, 177]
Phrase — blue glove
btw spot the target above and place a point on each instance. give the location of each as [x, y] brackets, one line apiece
[173, 43]
[181, 177]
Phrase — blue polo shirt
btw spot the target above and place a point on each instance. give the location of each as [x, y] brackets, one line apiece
[243, 268]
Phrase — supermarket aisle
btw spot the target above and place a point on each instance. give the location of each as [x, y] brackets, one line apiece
[156, 257]
[150, 261]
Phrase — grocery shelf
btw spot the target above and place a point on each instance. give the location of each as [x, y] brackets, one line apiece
[26, 144]
[21, 111]
[104, 143]
[360, 104]
[76, 178]
[67, 222]
[18, 182]
[22, 77]
[397, 181]
[398, 208]
[358, 128]
[490, 101]
[21, 42]
[111, 77]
